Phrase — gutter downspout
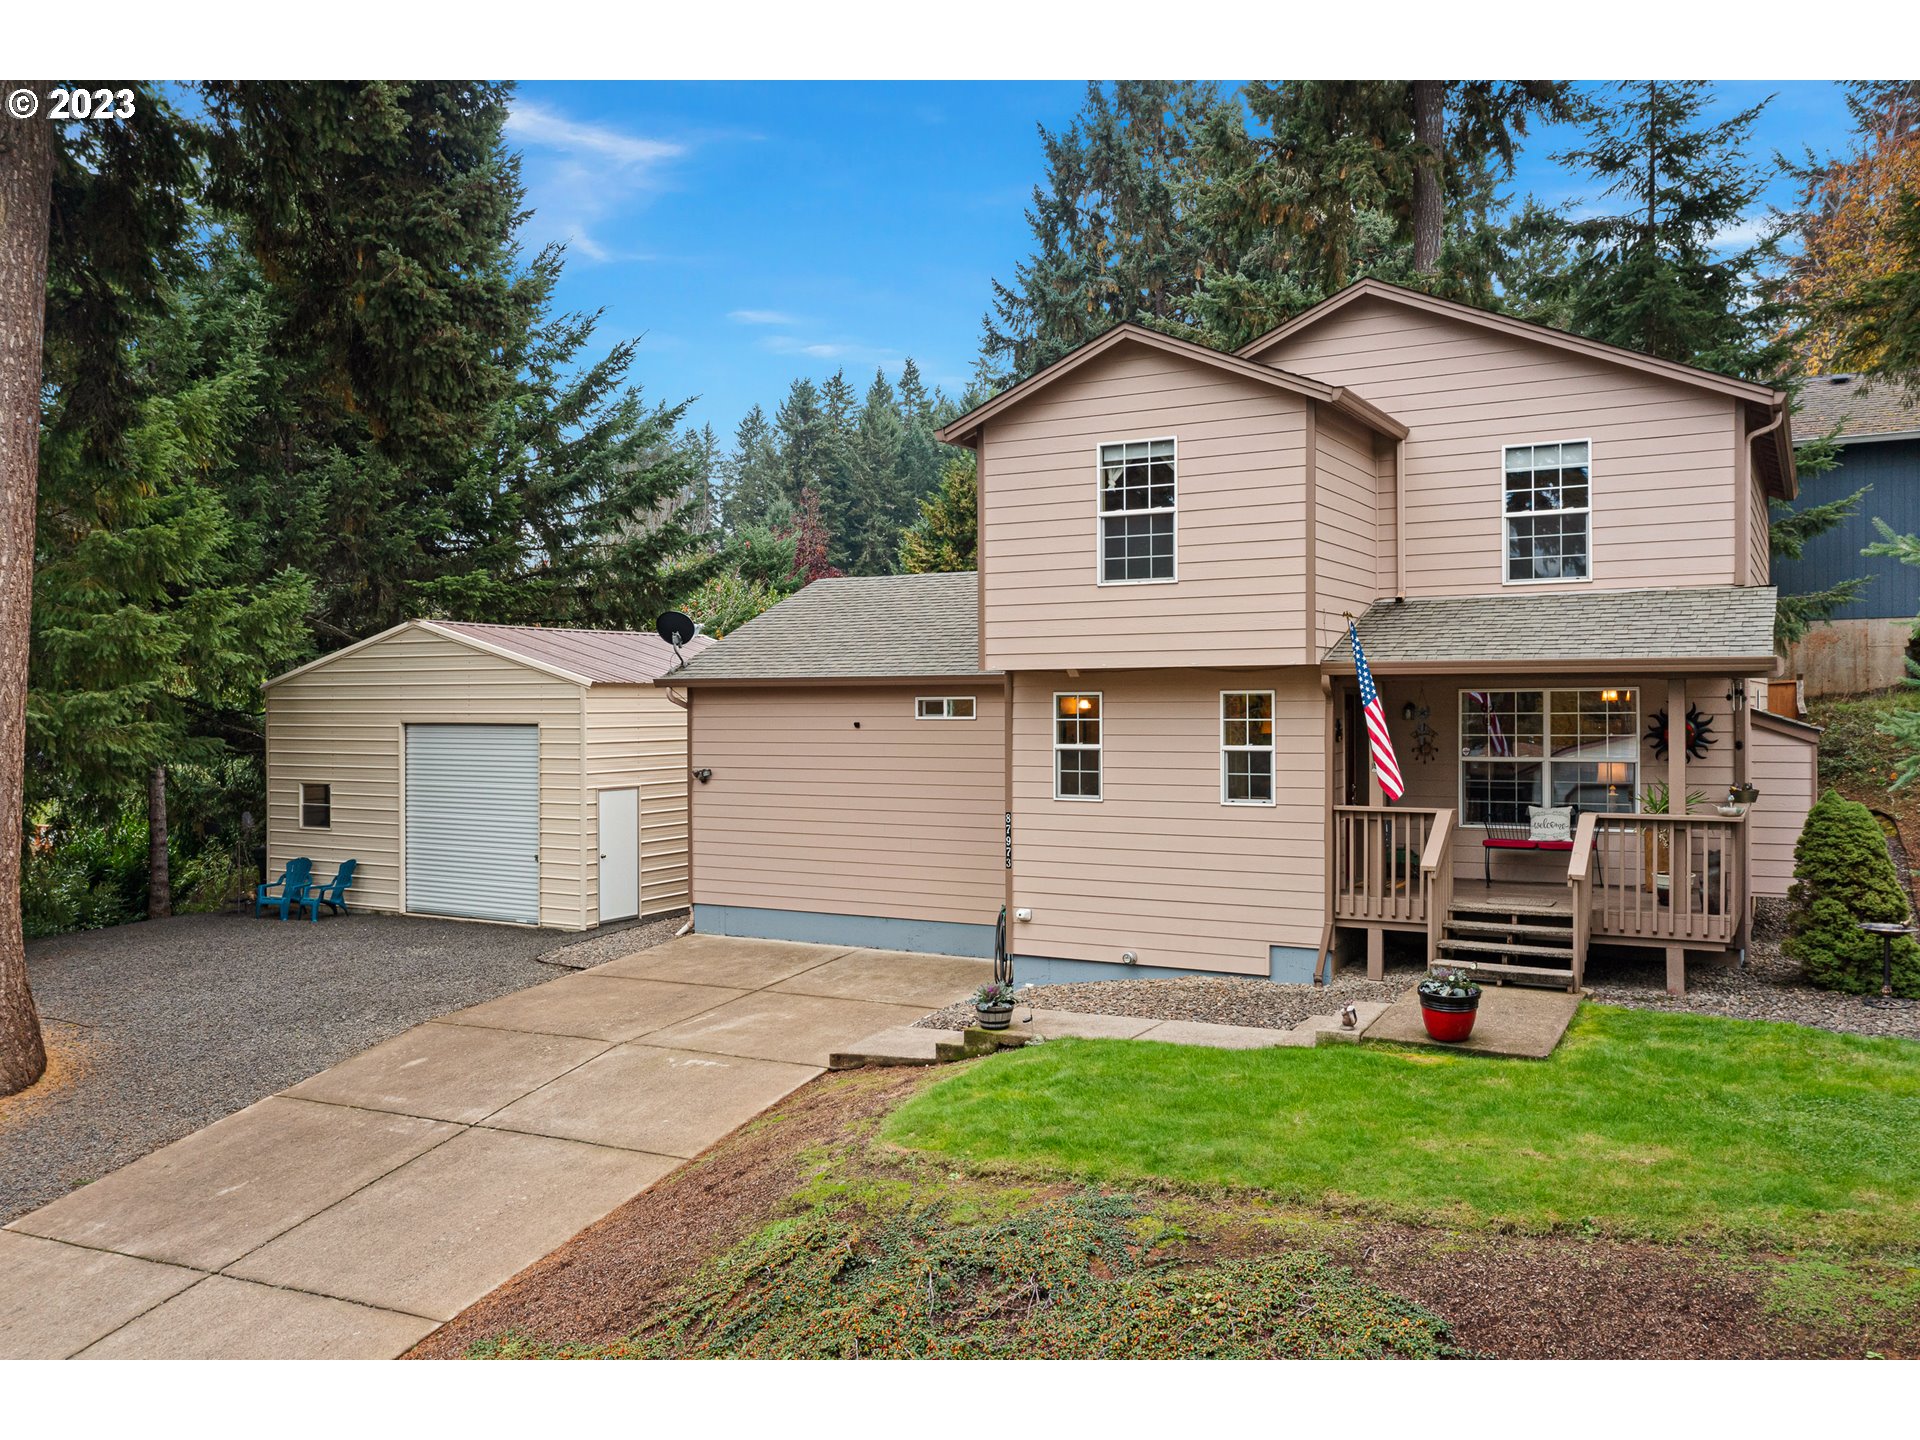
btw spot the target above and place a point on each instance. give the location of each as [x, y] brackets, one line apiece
[1400, 519]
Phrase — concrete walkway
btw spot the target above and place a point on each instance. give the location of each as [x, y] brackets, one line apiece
[349, 1215]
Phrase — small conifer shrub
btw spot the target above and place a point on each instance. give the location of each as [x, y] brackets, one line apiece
[1842, 876]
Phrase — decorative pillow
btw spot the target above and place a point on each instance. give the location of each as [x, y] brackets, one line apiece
[1550, 822]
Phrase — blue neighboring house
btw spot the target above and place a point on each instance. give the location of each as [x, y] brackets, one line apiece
[1865, 645]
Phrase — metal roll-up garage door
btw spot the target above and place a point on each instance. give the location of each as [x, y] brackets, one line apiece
[473, 821]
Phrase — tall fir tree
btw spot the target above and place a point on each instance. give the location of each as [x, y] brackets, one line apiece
[1112, 243]
[836, 471]
[879, 493]
[1654, 275]
[575, 509]
[801, 428]
[381, 216]
[753, 479]
[151, 636]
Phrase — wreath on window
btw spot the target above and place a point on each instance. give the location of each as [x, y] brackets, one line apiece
[1700, 734]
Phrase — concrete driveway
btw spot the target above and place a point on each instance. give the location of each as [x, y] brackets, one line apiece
[349, 1215]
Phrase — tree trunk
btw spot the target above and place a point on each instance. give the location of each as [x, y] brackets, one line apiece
[1429, 198]
[26, 195]
[159, 882]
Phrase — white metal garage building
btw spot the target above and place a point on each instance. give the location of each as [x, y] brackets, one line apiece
[490, 772]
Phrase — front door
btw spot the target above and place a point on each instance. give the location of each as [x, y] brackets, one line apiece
[619, 854]
[1353, 730]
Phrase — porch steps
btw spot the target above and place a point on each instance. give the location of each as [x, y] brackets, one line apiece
[1509, 939]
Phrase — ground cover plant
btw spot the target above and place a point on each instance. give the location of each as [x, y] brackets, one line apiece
[808, 1232]
[1666, 1127]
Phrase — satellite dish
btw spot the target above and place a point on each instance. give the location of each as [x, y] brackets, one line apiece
[674, 628]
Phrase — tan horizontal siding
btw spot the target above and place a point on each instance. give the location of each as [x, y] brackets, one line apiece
[1346, 522]
[1783, 768]
[1159, 866]
[1664, 461]
[1759, 555]
[1239, 532]
[342, 725]
[637, 739]
[899, 818]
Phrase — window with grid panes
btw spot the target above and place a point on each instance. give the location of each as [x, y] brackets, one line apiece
[1547, 747]
[1076, 747]
[1246, 747]
[1548, 503]
[1136, 511]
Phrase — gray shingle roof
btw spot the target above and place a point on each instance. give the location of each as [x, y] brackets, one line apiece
[1857, 405]
[599, 657]
[851, 627]
[1696, 623]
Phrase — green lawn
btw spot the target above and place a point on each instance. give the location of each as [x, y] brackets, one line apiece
[1668, 1126]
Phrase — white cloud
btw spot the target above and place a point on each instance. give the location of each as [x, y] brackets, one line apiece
[579, 174]
[850, 350]
[535, 124]
[761, 317]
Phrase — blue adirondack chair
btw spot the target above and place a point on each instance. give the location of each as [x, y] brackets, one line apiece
[333, 894]
[291, 885]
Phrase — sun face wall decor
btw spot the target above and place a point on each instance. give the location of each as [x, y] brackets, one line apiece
[1700, 736]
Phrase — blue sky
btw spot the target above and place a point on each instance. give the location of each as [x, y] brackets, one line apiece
[752, 232]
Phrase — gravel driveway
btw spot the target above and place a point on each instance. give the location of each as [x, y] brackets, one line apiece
[160, 1028]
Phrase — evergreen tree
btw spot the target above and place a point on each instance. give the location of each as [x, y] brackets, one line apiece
[879, 492]
[753, 480]
[575, 511]
[150, 636]
[836, 472]
[802, 440]
[381, 216]
[946, 536]
[702, 501]
[1652, 276]
[920, 453]
[1112, 242]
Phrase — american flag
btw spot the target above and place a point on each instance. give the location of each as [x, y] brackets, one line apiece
[1496, 737]
[1384, 765]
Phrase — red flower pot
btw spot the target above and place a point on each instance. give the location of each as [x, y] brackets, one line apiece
[1448, 1021]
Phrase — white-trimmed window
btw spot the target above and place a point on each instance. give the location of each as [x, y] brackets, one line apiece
[1547, 499]
[943, 707]
[316, 807]
[1547, 747]
[1076, 746]
[1137, 503]
[1246, 747]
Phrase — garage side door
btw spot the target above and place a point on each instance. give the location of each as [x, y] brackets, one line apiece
[473, 821]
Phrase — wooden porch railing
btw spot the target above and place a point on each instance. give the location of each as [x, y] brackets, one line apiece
[1676, 878]
[1580, 882]
[1436, 875]
[1380, 874]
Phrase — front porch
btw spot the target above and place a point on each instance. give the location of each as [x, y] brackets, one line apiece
[1672, 882]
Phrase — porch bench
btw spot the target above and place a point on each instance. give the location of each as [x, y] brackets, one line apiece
[1517, 837]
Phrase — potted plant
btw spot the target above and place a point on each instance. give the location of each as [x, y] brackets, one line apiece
[993, 1005]
[1449, 999]
[1656, 841]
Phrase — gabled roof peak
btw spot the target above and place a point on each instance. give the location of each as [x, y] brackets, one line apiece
[964, 430]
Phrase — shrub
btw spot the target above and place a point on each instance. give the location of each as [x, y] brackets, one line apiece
[1842, 876]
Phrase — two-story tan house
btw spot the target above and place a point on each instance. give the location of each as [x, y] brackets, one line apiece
[1136, 726]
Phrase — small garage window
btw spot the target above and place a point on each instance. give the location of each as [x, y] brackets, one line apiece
[943, 707]
[316, 807]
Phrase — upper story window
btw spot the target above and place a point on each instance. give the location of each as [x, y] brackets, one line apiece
[1136, 511]
[1076, 747]
[943, 707]
[1549, 512]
